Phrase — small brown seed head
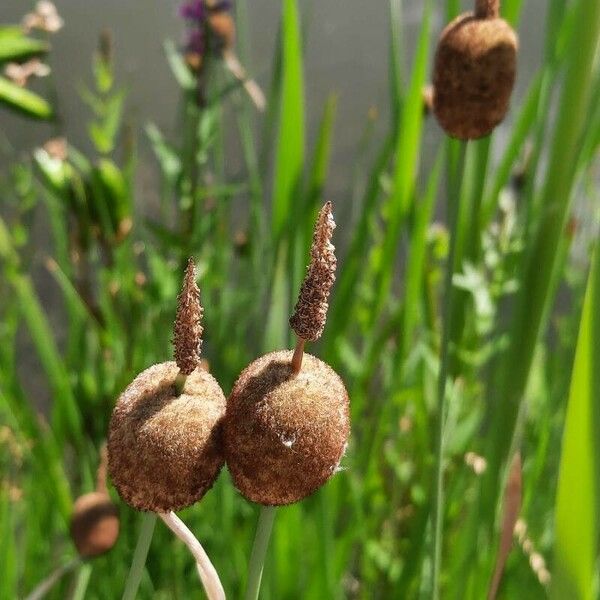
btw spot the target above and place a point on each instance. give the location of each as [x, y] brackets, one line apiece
[94, 524]
[164, 449]
[310, 314]
[222, 26]
[474, 74]
[284, 435]
[188, 329]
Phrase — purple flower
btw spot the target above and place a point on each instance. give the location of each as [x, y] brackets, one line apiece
[195, 42]
[222, 5]
[193, 11]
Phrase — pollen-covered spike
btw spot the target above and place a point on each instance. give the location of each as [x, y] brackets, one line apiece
[188, 329]
[310, 314]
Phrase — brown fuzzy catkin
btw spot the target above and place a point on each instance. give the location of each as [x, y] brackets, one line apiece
[284, 435]
[164, 448]
[94, 524]
[188, 330]
[310, 314]
[474, 72]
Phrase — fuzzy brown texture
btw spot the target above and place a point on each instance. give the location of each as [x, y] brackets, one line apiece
[187, 337]
[164, 451]
[223, 28]
[310, 314]
[284, 435]
[474, 74]
[94, 524]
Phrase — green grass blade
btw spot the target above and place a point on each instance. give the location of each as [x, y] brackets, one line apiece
[407, 161]
[23, 101]
[577, 525]
[18, 46]
[289, 158]
[539, 266]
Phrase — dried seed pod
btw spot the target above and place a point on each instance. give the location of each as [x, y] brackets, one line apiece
[474, 73]
[164, 448]
[94, 524]
[285, 434]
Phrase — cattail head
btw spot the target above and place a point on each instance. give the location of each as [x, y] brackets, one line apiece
[310, 314]
[188, 329]
[164, 442]
[285, 434]
[164, 447]
[95, 520]
[474, 72]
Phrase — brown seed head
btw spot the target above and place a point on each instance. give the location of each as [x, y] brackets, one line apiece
[164, 449]
[474, 74]
[188, 329]
[223, 28]
[310, 314]
[94, 524]
[284, 435]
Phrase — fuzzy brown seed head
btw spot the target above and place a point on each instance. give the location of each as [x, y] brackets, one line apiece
[188, 329]
[94, 524]
[310, 314]
[474, 74]
[223, 28]
[284, 435]
[164, 449]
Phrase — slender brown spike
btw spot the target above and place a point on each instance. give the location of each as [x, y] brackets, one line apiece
[310, 314]
[487, 9]
[188, 329]
[511, 509]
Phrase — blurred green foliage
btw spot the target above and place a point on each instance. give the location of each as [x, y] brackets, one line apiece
[524, 213]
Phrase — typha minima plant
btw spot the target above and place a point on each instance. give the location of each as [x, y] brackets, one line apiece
[474, 72]
[287, 422]
[94, 529]
[164, 445]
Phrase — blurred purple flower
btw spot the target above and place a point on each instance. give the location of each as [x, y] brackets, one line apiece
[195, 10]
[192, 11]
[195, 42]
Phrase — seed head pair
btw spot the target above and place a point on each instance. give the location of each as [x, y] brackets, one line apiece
[474, 72]
[282, 432]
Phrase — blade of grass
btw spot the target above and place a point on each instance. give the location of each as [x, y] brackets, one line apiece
[534, 299]
[577, 513]
[454, 219]
[289, 157]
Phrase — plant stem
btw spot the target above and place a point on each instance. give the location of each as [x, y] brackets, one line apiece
[298, 355]
[259, 551]
[180, 380]
[45, 586]
[139, 556]
[438, 502]
[206, 570]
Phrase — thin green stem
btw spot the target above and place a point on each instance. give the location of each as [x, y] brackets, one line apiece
[438, 502]
[139, 557]
[180, 380]
[259, 551]
[47, 584]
